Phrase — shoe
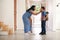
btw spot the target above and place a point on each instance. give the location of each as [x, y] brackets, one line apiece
[26, 34]
[31, 33]
[42, 33]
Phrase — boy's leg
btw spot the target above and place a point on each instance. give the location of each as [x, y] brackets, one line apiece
[41, 27]
[44, 28]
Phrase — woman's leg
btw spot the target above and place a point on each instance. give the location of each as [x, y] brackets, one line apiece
[25, 24]
[30, 25]
[27, 27]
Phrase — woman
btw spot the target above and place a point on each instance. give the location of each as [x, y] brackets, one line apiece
[27, 17]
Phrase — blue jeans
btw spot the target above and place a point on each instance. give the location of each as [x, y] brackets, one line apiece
[43, 24]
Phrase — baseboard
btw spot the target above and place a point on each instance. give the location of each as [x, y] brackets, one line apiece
[57, 29]
[19, 28]
[3, 33]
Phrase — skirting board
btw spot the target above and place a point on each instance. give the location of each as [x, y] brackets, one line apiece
[20, 28]
[4, 33]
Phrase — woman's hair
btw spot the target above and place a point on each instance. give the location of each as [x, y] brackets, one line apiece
[31, 8]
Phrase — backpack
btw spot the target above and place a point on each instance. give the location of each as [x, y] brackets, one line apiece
[46, 16]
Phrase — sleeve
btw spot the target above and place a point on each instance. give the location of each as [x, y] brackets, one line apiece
[45, 13]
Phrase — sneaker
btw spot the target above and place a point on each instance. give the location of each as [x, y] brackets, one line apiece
[42, 33]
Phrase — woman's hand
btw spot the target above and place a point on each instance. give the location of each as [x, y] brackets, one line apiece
[35, 12]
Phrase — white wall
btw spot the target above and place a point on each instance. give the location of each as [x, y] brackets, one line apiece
[7, 12]
[54, 15]
[49, 8]
[57, 15]
[20, 11]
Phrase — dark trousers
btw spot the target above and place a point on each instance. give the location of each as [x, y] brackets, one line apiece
[43, 24]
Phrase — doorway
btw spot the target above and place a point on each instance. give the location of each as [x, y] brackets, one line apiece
[37, 19]
[22, 5]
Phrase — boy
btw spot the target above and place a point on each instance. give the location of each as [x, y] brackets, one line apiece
[43, 21]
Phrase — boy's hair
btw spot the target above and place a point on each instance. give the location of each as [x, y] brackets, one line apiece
[43, 8]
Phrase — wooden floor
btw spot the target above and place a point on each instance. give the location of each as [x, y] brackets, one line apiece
[19, 35]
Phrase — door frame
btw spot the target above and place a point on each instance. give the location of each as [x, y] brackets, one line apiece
[15, 15]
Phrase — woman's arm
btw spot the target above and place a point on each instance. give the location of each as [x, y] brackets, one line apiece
[34, 12]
